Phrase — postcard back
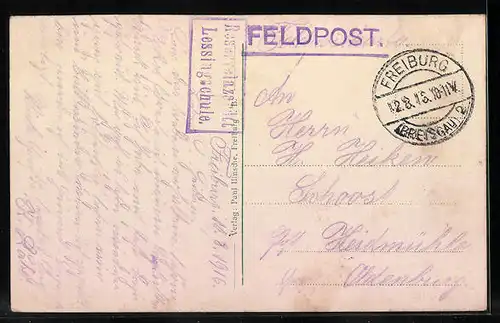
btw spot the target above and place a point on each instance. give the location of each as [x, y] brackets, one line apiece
[248, 163]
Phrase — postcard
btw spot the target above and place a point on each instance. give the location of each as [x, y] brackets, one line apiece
[280, 163]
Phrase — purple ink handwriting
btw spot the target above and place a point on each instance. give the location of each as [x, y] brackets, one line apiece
[287, 280]
[320, 189]
[26, 256]
[298, 135]
[220, 253]
[356, 151]
[344, 237]
[366, 275]
[275, 96]
[118, 175]
[290, 124]
[282, 239]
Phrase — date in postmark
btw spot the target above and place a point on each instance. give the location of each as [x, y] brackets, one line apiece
[423, 97]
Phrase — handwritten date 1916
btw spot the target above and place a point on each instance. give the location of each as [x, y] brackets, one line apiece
[218, 261]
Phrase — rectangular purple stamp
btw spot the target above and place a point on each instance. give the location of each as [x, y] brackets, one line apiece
[215, 84]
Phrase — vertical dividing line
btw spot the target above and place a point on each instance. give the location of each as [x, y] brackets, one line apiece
[188, 117]
[243, 70]
[234, 265]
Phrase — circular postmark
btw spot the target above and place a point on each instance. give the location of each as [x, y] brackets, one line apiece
[423, 97]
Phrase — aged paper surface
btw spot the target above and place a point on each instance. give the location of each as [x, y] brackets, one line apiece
[248, 163]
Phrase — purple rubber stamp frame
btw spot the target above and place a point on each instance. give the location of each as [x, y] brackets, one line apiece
[189, 128]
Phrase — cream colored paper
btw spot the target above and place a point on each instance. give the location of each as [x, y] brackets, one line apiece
[176, 163]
